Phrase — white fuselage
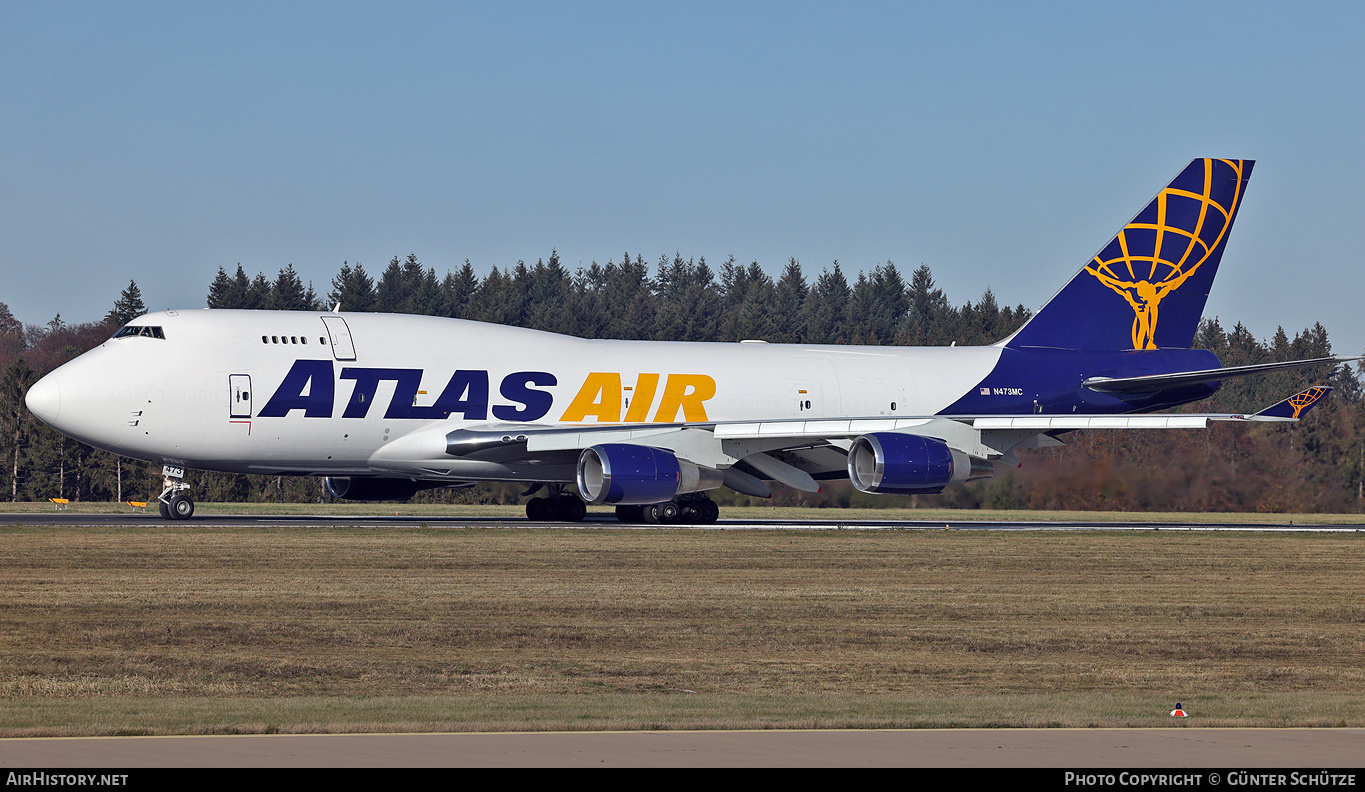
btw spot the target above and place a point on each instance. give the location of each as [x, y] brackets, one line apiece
[197, 396]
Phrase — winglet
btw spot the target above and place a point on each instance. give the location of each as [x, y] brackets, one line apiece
[1295, 406]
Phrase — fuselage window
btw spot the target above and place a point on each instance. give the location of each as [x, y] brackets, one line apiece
[274, 339]
[265, 340]
[293, 339]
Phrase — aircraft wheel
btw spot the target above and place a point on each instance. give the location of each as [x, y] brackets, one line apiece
[710, 512]
[668, 512]
[182, 508]
[165, 510]
[538, 509]
[630, 514]
[572, 509]
[650, 514]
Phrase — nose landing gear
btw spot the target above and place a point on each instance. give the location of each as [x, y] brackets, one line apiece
[174, 502]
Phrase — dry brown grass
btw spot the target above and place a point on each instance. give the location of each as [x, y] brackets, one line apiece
[185, 629]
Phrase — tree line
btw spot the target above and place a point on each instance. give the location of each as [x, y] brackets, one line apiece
[676, 300]
[1318, 465]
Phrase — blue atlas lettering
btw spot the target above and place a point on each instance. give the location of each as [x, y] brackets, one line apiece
[313, 376]
[466, 393]
[517, 387]
[310, 386]
[367, 382]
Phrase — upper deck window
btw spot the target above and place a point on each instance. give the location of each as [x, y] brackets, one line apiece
[140, 330]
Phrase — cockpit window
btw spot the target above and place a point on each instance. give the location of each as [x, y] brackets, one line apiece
[139, 330]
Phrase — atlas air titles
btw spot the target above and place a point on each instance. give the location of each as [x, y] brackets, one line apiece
[310, 386]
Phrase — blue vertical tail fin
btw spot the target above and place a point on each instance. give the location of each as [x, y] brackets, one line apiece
[1147, 288]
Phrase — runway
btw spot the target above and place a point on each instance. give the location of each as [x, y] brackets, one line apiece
[599, 521]
[1307, 750]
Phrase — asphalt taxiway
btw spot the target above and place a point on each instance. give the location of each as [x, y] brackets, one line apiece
[1234, 750]
[819, 522]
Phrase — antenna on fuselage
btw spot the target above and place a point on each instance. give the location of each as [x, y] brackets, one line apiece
[337, 308]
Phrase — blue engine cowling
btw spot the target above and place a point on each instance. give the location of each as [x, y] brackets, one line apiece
[906, 464]
[628, 475]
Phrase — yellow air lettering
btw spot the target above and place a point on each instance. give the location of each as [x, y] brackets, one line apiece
[643, 399]
[600, 396]
[686, 392]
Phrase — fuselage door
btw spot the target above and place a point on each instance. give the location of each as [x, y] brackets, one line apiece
[807, 400]
[239, 386]
[340, 335]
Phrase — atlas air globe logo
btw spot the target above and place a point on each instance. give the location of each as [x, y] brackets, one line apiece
[1167, 243]
[1302, 401]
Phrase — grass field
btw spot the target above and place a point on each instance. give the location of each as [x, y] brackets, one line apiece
[184, 629]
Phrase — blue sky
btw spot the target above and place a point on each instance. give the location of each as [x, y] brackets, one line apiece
[1001, 144]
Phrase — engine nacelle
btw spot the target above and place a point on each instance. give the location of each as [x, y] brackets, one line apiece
[631, 475]
[375, 489]
[905, 464]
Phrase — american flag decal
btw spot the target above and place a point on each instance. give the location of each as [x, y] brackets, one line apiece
[985, 391]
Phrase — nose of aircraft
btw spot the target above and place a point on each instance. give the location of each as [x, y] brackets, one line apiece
[44, 399]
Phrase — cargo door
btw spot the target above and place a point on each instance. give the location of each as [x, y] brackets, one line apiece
[340, 336]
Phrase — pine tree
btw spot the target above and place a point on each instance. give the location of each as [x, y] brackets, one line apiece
[391, 292]
[424, 293]
[408, 287]
[747, 300]
[495, 301]
[824, 315]
[689, 305]
[879, 305]
[629, 294]
[288, 293]
[257, 295]
[11, 336]
[241, 294]
[8, 324]
[353, 289]
[552, 296]
[311, 299]
[788, 299]
[128, 306]
[220, 291]
[928, 312]
[456, 291]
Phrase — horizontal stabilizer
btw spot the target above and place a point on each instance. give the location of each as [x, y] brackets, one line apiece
[1159, 382]
[1295, 406]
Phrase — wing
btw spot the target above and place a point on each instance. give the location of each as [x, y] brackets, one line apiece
[888, 455]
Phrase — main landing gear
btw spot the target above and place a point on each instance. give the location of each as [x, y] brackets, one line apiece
[558, 507]
[690, 509]
[174, 502]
